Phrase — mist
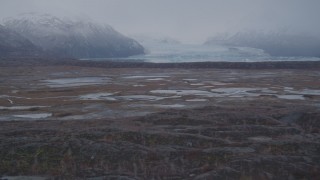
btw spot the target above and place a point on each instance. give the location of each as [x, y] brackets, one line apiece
[159, 89]
[188, 21]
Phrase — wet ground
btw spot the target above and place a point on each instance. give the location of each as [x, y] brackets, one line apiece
[66, 93]
[77, 122]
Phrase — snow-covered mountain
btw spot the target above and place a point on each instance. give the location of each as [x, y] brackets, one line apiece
[275, 44]
[13, 44]
[73, 38]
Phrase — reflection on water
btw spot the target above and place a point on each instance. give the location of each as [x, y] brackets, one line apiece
[72, 82]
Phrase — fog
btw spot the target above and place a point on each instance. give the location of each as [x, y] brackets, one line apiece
[189, 21]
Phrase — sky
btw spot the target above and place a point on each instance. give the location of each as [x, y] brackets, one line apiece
[190, 21]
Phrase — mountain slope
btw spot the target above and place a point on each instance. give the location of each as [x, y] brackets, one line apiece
[275, 44]
[79, 39]
[14, 45]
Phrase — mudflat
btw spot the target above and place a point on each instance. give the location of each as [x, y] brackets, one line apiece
[76, 122]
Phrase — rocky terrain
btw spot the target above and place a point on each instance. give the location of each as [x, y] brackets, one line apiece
[71, 38]
[73, 122]
[13, 44]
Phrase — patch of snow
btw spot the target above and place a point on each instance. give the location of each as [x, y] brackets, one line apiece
[190, 79]
[98, 96]
[216, 83]
[305, 92]
[20, 107]
[197, 100]
[156, 79]
[139, 85]
[233, 90]
[185, 92]
[10, 101]
[34, 116]
[141, 97]
[197, 84]
[144, 77]
[291, 97]
[169, 105]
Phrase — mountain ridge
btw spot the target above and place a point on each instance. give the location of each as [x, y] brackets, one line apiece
[274, 43]
[73, 38]
[13, 44]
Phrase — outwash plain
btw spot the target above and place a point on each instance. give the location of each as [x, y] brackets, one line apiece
[107, 120]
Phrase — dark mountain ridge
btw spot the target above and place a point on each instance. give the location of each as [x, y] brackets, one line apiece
[275, 44]
[13, 44]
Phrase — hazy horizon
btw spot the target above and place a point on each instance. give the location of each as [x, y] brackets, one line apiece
[185, 20]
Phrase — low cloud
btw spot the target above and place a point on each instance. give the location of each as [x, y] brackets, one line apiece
[186, 20]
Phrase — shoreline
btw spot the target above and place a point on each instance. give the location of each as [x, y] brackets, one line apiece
[9, 62]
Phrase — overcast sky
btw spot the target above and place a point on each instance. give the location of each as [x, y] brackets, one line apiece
[190, 21]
